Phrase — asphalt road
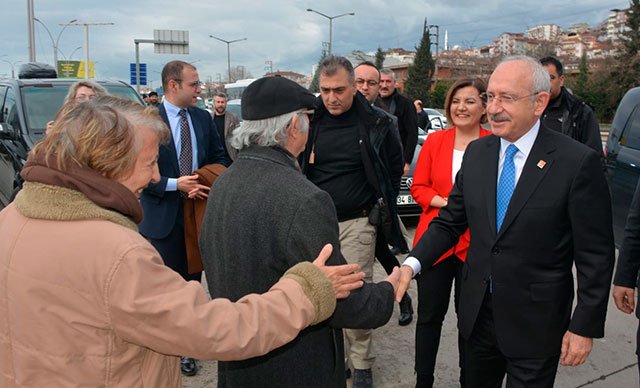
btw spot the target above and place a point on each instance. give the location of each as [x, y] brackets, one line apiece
[612, 364]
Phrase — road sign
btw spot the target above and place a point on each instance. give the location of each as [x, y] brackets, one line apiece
[143, 73]
[171, 42]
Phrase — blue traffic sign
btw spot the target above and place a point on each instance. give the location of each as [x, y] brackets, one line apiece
[143, 73]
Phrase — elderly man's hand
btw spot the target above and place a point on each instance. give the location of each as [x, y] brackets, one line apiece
[343, 277]
[575, 349]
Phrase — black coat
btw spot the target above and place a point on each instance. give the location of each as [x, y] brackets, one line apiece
[629, 257]
[263, 216]
[387, 157]
[559, 215]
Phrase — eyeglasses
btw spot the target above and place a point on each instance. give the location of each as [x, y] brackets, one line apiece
[504, 99]
[194, 84]
[370, 83]
[308, 112]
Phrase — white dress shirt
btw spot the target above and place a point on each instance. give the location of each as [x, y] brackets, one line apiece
[524, 145]
[173, 114]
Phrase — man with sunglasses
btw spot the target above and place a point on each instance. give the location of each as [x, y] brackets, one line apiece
[401, 107]
[194, 144]
[368, 84]
[536, 203]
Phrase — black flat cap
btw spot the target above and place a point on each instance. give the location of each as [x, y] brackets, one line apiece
[274, 96]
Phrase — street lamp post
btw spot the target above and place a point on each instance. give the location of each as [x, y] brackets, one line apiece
[55, 42]
[13, 66]
[228, 42]
[331, 24]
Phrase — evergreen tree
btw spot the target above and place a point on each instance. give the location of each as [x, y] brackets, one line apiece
[379, 59]
[582, 79]
[627, 74]
[439, 94]
[419, 75]
[315, 82]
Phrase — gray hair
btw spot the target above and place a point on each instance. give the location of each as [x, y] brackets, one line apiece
[266, 132]
[99, 90]
[540, 77]
[388, 72]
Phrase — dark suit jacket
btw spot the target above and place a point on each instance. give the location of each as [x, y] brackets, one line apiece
[160, 206]
[629, 258]
[263, 216]
[560, 214]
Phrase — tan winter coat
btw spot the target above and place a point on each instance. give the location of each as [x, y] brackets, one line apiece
[86, 301]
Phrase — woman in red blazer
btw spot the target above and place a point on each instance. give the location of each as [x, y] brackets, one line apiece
[438, 163]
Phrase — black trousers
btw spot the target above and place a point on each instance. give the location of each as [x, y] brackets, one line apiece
[173, 250]
[387, 259]
[434, 292]
[486, 365]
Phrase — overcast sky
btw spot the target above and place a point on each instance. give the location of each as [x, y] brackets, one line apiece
[282, 32]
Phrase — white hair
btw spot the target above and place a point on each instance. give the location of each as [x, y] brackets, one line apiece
[540, 77]
[266, 132]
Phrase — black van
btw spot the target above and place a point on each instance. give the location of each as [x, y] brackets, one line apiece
[623, 158]
[26, 105]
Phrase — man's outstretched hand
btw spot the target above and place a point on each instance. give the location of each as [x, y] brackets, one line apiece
[343, 277]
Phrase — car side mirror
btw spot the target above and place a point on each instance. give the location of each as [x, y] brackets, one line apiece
[7, 133]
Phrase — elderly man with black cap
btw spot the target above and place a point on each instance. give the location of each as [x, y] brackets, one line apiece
[261, 217]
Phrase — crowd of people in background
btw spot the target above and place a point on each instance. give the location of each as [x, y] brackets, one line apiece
[124, 206]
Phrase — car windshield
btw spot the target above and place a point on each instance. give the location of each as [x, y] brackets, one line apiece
[42, 102]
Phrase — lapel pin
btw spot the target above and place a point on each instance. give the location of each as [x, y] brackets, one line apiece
[541, 164]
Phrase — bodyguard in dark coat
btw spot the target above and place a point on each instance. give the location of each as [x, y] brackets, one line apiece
[628, 267]
[262, 216]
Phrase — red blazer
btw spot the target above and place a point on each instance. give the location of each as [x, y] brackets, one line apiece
[431, 177]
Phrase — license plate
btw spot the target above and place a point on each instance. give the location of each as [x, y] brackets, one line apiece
[405, 200]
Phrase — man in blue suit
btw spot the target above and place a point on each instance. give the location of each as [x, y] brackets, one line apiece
[194, 143]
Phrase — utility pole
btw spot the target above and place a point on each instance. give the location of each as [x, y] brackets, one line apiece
[86, 42]
[269, 66]
[31, 28]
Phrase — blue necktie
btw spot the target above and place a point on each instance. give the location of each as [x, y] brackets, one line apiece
[506, 184]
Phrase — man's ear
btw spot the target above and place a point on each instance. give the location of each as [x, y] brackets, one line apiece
[541, 102]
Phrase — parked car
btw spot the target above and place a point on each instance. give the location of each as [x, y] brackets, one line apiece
[623, 158]
[26, 105]
[438, 120]
[406, 205]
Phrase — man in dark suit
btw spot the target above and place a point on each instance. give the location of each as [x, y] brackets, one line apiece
[626, 279]
[536, 203]
[194, 143]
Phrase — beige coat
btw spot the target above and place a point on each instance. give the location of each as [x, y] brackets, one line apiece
[86, 301]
